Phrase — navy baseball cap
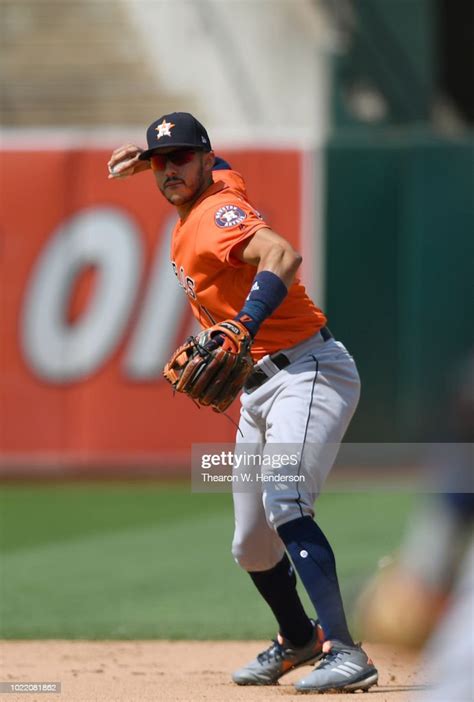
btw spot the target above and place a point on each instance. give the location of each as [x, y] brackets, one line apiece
[178, 129]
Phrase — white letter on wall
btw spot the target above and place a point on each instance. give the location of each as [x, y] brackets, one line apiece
[58, 351]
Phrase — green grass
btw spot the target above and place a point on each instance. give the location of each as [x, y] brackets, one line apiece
[152, 560]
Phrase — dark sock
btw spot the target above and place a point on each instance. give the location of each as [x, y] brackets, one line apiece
[278, 588]
[314, 561]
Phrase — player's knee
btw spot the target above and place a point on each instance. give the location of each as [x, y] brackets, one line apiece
[250, 558]
[243, 556]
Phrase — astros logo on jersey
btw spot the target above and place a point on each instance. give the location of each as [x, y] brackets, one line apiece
[164, 129]
[229, 216]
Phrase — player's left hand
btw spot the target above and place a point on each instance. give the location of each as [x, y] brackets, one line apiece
[213, 366]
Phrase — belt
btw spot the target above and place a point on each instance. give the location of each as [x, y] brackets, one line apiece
[258, 376]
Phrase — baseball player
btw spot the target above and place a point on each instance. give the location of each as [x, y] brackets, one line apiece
[241, 275]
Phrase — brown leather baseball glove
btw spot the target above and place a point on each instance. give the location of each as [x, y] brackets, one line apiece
[213, 366]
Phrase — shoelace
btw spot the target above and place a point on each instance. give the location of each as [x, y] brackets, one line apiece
[275, 651]
[330, 658]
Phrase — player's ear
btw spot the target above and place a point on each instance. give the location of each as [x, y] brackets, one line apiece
[208, 160]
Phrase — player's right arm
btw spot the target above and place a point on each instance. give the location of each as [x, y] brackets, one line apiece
[124, 162]
[276, 262]
[269, 251]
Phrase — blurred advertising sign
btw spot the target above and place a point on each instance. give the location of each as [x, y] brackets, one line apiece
[90, 308]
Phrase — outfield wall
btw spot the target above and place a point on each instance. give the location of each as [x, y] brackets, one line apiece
[399, 269]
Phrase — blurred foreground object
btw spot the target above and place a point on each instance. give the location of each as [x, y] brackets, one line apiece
[405, 601]
[448, 656]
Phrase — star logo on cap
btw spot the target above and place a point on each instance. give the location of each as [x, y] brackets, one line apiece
[164, 129]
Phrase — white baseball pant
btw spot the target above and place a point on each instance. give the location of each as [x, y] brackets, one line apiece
[307, 405]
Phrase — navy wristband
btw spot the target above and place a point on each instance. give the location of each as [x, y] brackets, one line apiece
[266, 294]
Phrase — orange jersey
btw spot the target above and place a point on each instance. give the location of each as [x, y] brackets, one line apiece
[217, 283]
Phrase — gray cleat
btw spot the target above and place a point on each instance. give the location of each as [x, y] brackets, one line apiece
[277, 660]
[345, 668]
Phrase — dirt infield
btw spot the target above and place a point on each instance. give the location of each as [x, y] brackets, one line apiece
[179, 671]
